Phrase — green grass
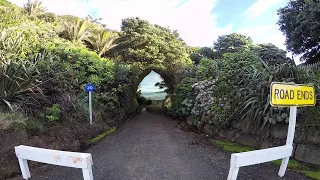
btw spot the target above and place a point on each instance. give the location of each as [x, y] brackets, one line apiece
[231, 146]
[301, 168]
[312, 174]
[293, 164]
[104, 134]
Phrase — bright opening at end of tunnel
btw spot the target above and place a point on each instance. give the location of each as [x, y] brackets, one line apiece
[149, 89]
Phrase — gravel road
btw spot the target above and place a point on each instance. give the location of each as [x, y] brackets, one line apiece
[151, 147]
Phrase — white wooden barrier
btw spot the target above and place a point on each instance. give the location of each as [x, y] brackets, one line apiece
[256, 157]
[60, 158]
[265, 155]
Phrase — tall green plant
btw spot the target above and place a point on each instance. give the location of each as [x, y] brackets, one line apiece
[76, 31]
[18, 78]
[34, 8]
[17, 81]
[11, 44]
[251, 87]
[102, 40]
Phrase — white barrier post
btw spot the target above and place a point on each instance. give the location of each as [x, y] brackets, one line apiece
[256, 157]
[234, 170]
[24, 168]
[60, 158]
[87, 173]
[290, 137]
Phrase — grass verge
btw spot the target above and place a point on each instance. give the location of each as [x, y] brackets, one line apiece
[293, 164]
[231, 146]
[104, 134]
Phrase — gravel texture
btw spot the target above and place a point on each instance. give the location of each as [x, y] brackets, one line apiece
[151, 147]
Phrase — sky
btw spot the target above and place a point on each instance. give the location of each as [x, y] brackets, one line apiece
[199, 22]
[147, 84]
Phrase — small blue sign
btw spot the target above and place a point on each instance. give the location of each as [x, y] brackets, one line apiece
[89, 87]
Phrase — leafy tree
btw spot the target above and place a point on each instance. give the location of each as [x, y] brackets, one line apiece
[232, 43]
[48, 17]
[161, 84]
[96, 21]
[271, 54]
[300, 22]
[150, 45]
[207, 52]
[198, 53]
[5, 3]
[10, 14]
[34, 8]
[67, 18]
[195, 56]
[102, 40]
[193, 49]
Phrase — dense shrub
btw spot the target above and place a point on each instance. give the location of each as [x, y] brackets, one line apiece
[235, 88]
[182, 92]
[52, 114]
[40, 69]
[206, 69]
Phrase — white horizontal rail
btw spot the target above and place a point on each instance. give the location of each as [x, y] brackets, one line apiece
[54, 157]
[261, 156]
[265, 155]
[256, 157]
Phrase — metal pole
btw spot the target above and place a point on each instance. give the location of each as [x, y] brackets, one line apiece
[290, 138]
[90, 107]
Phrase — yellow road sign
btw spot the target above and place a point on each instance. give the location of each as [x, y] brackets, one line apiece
[285, 94]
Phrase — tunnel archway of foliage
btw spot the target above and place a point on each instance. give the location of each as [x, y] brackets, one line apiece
[148, 47]
[60, 54]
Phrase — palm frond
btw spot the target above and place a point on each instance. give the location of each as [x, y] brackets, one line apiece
[78, 30]
[102, 41]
